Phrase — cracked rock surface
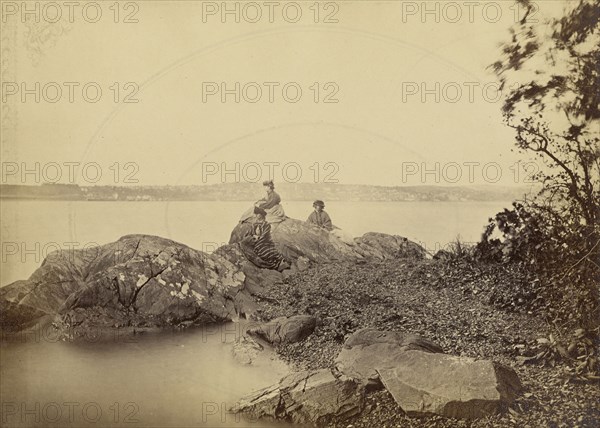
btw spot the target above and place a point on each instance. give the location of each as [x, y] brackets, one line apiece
[306, 397]
[137, 281]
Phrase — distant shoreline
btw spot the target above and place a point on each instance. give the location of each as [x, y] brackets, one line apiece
[242, 192]
[250, 201]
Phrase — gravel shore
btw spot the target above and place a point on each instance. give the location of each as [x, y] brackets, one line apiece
[463, 307]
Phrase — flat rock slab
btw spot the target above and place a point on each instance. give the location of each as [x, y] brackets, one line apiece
[286, 330]
[369, 349]
[456, 387]
[424, 380]
[306, 397]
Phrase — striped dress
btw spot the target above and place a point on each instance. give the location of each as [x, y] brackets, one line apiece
[264, 246]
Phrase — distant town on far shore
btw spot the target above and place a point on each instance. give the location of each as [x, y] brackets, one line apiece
[252, 191]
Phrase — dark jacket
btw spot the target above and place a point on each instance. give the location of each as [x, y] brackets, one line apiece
[270, 201]
[320, 219]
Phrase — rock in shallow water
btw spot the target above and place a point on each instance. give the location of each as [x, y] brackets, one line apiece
[307, 397]
[286, 330]
[245, 350]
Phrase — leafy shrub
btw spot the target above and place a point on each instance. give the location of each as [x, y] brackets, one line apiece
[563, 254]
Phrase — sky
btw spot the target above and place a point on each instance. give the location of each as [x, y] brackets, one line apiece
[354, 92]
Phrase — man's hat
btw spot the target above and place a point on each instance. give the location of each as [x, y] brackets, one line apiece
[319, 203]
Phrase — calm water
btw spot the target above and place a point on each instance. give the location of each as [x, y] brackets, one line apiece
[187, 378]
[168, 379]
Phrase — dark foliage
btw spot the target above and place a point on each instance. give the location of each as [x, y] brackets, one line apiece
[553, 103]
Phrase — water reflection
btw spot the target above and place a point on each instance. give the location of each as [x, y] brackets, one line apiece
[167, 379]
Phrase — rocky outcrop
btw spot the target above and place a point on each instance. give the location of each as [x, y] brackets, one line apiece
[61, 274]
[286, 330]
[423, 380]
[383, 246]
[150, 281]
[139, 280]
[295, 238]
[306, 397]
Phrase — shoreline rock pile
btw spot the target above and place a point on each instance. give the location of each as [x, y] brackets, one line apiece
[420, 378]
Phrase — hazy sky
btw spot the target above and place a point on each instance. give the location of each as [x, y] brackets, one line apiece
[375, 61]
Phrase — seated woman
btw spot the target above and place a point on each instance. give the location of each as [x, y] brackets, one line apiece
[322, 220]
[319, 217]
[263, 252]
[271, 203]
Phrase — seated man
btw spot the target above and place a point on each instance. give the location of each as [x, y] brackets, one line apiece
[319, 217]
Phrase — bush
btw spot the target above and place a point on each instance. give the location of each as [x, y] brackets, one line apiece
[563, 254]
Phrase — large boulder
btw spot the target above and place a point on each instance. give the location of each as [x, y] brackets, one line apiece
[307, 397]
[423, 380]
[451, 386]
[286, 330]
[137, 281]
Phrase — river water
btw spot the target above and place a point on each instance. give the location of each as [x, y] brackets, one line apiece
[168, 379]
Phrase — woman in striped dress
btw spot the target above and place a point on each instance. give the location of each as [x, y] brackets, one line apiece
[264, 247]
